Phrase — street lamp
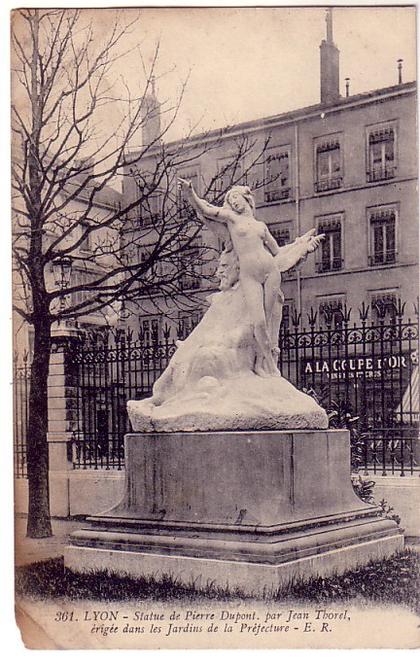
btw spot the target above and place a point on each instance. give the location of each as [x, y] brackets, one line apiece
[62, 274]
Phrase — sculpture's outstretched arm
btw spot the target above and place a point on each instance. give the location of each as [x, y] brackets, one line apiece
[289, 255]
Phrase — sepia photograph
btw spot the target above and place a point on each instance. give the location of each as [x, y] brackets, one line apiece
[214, 216]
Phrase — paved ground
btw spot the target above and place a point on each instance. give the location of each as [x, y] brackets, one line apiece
[29, 550]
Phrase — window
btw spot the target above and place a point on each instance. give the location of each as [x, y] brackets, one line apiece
[189, 266]
[328, 165]
[331, 311]
[145, 331]
[277, 176]
[187, 322]
[154, 206]
[153, 274]
[150, 330]
[252, 175]
[329, 254]
[281, 233]
[85, 243]
[184, 209]
[286, 319]
[381, 154]
[229, 171]
[382, 236]
[81, 278]
[384, 307]
[149, 209]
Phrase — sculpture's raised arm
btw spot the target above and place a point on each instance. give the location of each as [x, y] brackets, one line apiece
[209, 214]
[200, 205]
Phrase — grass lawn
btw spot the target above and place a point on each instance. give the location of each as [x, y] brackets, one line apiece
[393, 580]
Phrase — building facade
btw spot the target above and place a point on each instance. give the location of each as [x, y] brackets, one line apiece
[346, 166]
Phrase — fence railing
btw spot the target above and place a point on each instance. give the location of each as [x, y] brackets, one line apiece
[362, 368]
[21, 377]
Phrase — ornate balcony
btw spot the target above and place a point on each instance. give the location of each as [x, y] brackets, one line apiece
[383, 257]
[328, 183]
[381, 173]
[281, 194]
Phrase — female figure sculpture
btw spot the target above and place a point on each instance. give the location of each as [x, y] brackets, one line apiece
[261, 262]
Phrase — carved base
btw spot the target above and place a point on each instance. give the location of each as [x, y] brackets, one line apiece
[246, 509]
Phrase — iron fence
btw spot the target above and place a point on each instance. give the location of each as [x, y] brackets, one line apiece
[112, 367]
[21, 377]
[367, 370]
[354, 366]
[361, 368]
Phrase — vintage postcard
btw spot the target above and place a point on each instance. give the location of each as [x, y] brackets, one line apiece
[215, 321]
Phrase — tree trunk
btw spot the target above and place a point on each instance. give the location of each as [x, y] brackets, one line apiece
[39, 518]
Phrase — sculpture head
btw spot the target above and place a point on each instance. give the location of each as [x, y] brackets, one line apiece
[237, 197]
[228, 270]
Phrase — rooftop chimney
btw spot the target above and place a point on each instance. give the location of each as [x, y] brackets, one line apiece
[400, 65]
[330, 68]
[347, 86]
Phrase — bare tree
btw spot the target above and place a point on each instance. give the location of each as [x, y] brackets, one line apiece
[63, 165]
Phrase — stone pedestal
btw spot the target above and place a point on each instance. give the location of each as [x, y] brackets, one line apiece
[239, 509]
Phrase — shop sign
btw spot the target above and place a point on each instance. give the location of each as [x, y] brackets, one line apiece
[353, 367]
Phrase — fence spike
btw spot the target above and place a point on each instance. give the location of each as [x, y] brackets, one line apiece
[166, 331]
[346, 313]
[364, 311]
[295, 318]
[312, 317]
[400, 308]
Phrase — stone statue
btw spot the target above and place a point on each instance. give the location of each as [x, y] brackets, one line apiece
[220, 484]
[224, 376]
[261, 262]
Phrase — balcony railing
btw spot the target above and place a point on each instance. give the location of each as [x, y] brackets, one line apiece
[329, 265]
[328, 183]
[271, 195]
[383, 258]
[381, 173]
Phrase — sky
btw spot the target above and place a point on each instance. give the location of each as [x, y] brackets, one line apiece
[246, 63]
